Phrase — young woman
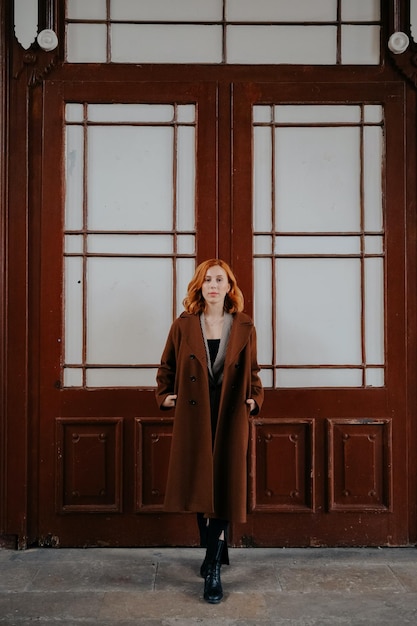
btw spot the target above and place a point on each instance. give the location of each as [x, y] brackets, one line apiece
[209, 373]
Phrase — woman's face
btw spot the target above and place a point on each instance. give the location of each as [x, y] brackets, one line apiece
[215, 285]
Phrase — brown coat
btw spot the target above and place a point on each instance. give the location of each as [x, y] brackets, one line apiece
[194, 468]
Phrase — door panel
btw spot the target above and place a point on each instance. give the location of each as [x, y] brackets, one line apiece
[327, 459]
[130, 209]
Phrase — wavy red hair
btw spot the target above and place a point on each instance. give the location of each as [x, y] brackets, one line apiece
[194, 301]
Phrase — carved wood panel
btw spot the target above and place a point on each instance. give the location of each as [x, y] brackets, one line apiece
[359, 464]
[282, 475]
[153, 445]
[89, 470]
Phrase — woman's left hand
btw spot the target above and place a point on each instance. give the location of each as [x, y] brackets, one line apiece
[252, 404]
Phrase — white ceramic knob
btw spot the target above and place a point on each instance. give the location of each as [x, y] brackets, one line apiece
[47, 40]
[398, 42]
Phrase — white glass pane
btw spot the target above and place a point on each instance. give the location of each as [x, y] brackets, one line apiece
[360, 45]
[130, 112]
[263, 309]
[266, 377]
[327, 162]
[281, 10]
[186, 177]
[86, 43]
[374, 377]
[315, 45]
[361, 10]
[262, 179]
[185, 271]
[86, 9]
[162, 43]
[167, 10]
[374, 244]
[130, 178]
[318, 245]
[373, 163]
[413, 19]
[319, 378]
[186, 113]
[328, 114]
[185, 244]
[74, 112]
[130, 244]
[74, 244]
[318, 311]
[373, 113]
[121, 377]
[73, 310]
[374, 311]
[263, 244]
[73, 377]
[262, 113]
[74, 165]
[123, 323]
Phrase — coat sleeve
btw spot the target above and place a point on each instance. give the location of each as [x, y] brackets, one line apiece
[256, 389]
[165, 377]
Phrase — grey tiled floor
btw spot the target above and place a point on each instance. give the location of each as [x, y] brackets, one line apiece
[262, 587]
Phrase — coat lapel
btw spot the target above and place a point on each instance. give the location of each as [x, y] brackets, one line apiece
[239, 335]
[194, 338]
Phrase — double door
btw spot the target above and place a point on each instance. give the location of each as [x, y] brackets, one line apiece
[297, 187]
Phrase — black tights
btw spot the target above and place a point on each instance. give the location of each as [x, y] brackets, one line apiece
[210, 533]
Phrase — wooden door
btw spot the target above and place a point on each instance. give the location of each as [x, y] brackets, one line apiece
[128, 206]
[320, 242]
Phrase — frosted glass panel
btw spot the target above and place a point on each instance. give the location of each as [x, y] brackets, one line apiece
[86, 43]
[262, 181]
[361, 10]
[74, 163]
[122, 319]
[266, 377]
[167, 10]
[374, 244]
[74, 113]
[318, 245]
[166, 43]
[374, 311]
[130, 113]
[186, 148]
[373, 113]
[360, 45]
[73, 313]
[319, 378]
[318, 311]
[281, 10]
[73, 377]
[130, 244]
[185, 244]
[373, 161]
[185, 271]
[86, 9]
[263, 244]
[186, 113]
[374, 377]
[130, 178]
[263, 309]
[316, 114]
[121, 377]
[74, 244]
[327, 161]
[275, 44]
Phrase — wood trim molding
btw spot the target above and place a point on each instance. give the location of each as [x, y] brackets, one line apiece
[399, 22]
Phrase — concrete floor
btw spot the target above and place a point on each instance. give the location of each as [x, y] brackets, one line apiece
[161, 587]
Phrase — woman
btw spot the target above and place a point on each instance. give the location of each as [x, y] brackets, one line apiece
[209, 373]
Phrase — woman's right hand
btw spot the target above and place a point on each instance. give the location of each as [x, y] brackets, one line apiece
[169, 401]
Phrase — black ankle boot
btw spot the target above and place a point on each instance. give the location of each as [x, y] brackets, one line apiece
[204, 567]
[213, 591]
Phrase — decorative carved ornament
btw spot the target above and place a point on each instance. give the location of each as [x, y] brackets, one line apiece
[35, 45]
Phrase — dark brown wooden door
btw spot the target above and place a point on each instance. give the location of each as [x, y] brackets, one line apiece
[328, 463]
[104, 446]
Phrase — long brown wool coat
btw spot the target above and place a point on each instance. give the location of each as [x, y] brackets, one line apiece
[194, 468]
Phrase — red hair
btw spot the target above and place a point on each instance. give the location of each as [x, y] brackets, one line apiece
[194, 301]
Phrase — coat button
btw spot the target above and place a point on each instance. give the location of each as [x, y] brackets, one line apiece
[237, 365]
[192, 356]
[193, 379]
[193, 402]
